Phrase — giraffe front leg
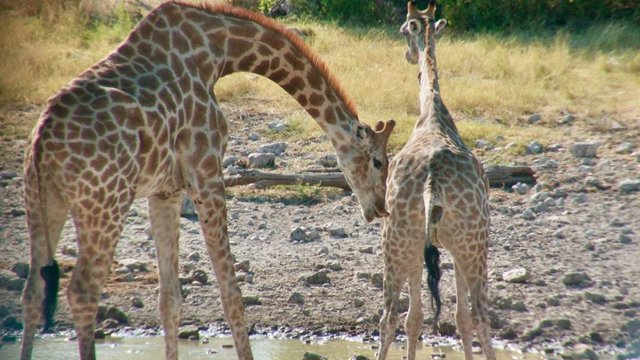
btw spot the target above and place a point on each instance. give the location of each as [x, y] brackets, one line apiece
[213, 220]
[164, 214]
[392, 284]
[413, 323]
[463, 318]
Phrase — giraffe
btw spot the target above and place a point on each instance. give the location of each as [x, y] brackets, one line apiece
[437, 197]
[144, 122]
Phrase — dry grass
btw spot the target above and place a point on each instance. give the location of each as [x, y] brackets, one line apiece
[482, 77]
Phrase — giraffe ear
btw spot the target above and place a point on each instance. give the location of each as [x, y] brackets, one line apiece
[385, 129]
[440, 26]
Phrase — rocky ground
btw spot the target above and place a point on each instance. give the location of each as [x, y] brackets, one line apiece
[564, 254]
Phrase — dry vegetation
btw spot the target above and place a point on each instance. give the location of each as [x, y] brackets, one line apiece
[489, 82]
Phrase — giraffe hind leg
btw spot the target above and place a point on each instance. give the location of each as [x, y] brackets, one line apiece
[392, 284]
[413, 322]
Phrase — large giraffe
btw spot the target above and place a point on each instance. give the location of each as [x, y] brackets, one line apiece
[437, 197]
[144, 122]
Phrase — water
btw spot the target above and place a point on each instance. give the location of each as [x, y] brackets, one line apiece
[264, 348]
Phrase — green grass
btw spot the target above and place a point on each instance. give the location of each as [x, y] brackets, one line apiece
[483, 76]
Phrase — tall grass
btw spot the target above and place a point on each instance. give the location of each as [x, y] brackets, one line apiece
[482, 76]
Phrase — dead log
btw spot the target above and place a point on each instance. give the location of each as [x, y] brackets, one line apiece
[498, 175]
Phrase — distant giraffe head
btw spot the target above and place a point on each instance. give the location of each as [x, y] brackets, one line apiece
[420, 30]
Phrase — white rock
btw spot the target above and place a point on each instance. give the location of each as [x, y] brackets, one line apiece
[518, 275]
[262, 160]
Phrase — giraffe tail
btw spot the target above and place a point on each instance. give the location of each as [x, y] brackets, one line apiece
[50, 273]
[431, 252]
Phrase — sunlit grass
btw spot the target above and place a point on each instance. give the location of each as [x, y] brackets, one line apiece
[482, 77]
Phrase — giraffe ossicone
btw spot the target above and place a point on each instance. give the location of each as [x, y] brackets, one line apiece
[437, 197]
[144, 122]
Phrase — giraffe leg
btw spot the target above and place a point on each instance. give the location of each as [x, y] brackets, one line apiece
[96, 245]
[392, 285]
[33, 293]
[479, 311]
[212, 214]
[164, 214]
[413, 323]
[463, 318]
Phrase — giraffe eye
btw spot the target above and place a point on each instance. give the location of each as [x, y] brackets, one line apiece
[377, 164]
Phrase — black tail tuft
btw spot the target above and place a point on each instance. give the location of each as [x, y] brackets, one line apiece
[51, 276]
[432, 263]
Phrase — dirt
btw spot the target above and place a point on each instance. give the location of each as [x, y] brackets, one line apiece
[576, 233]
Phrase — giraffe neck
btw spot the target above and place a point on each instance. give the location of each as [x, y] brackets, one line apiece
[205, 43]
[433, 112]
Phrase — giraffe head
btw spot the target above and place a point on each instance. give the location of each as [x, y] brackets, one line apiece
[364, 163]
[420, 29]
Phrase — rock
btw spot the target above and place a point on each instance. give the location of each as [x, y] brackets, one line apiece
[577, 279]
[358, 303]
[69, 250]
[276, 149]
[277, 126]
[328, 161]
[133, 265]
[6, 175]
[579, 199]
[244, 265]
[534, 118]
[446, 328]
[262, 160]
[188, 331]
[520, 188]
[563, 324]
[194, 256]
[9, 281]
[366, 250]
[110, 324]
[532, 334]
[333, 266]
[534, 147]
[596, 337]
[188, 208]
[100, 334]
[566, 119]
[519, 306]
[10, 323]
[632, 327]
[304, 235]
[508, 334]
[595, 298]
[528, 214]
[539, 197]
[116, 314]
[254, 137]
[624, 239]
[229, 161]
[251, 301]
[137, 303]
[319, 278]
[313, 356]
[518, 275]
[483, 144]
[358, 357]
[199, 276]
[17, 212]
[338, 232]
[21, 269]
[624, 148]
[296, 298]
[628, 186]
[585, 149]
[580, 352]
[377, 280]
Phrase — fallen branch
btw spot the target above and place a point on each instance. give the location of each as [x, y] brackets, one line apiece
[498, 176]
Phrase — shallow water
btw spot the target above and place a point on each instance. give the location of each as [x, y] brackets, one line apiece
[264, 348]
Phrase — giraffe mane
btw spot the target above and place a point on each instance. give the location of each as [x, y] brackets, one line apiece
[293, 38]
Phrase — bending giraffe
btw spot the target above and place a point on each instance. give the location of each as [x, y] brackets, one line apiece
[144, 122]
[437, 197]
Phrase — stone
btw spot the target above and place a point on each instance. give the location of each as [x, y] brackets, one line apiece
[366, 250]
[115, 313]
[194, 256]
[534, 147]
[277, 126]
[188, 331]
[17, 212]
[319, 278]
[579, 199]
[624, 239]
[69, 250]
[534, 118]
[358, 357]
[251, 301]
[539, 197]
[254, 137]
[566, 119]
[563, 324]
[304, 235]
[447, 329]
[313, 356]
[328, 161]
[276, 149]
[628, 186]
[518, 275]
[483, 144]
[519, 306]
[624, 148]
[10, 281]
[244, 265]
[134, 265]
[296, 298]
[188, 208]
[528, 214]
[137, 303]
[577, 279]
[229, 160]
[21, 269]
[520, 188]
[199, 276]
[110, 324]
[632, 327]
[6, 175]
[585, 149]
[595, 298]
[377, 280]
[338, 232]
[358, 303]
[100, 334]
[262, 160]
[508, 334]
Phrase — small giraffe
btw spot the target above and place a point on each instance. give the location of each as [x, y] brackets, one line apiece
[144, 122]
[437, 197]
